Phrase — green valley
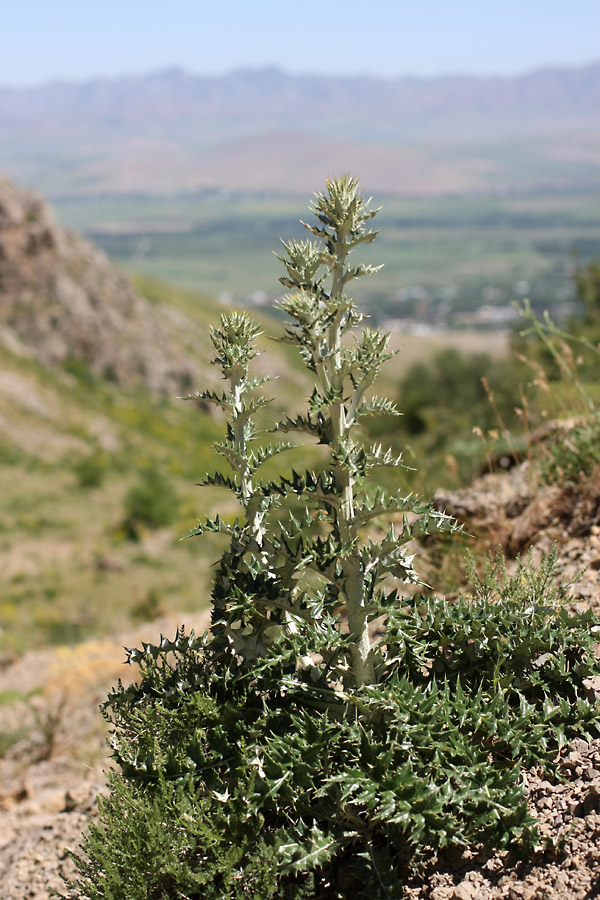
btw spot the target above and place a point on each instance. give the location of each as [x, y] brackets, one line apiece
[445, 257]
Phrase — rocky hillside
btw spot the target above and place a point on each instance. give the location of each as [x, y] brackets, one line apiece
[63, 302]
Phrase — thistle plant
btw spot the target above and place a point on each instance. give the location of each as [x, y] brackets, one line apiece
[355, 758]
[314, 565]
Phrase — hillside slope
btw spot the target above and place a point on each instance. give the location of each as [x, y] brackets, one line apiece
[91, 369]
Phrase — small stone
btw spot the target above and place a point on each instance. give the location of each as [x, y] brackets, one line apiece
[591, 803]
[46, 802]
[464, 891]
[76, 797]
[440, 893]
[561, 881]
[545, 787]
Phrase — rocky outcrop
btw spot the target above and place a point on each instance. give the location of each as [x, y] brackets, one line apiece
[519, 514]
[62, 300]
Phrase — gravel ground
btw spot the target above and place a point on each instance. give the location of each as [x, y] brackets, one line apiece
[51, 776]
[37, 825]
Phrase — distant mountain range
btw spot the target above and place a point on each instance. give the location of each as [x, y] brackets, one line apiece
[265, 129]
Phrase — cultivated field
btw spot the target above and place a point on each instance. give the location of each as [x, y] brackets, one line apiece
[444, 257]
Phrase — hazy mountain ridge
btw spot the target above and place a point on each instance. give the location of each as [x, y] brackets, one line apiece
[266, 130]
[252, 101]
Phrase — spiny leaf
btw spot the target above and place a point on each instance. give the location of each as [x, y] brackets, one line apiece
[304, 856]
[215, 526]
[237, 460]
[258, 457]
[377, 456]
[219, 480]
[377, 405]
[302, 423]
[210, 397]
[234, 342]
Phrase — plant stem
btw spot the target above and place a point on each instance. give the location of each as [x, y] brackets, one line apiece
[352, 578]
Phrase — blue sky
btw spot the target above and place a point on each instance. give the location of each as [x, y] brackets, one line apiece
[41, 40]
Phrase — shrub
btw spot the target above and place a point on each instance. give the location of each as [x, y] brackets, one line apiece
[91, 470]
[570, 455]
[80, 370]
[451, 389]
[448, 400]
[152, 503]
[353, 758]
[173, 842]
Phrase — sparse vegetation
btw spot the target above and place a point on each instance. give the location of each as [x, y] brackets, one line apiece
[572, 454]
[354, 754]
[572, 451]
[42, 717]
[448, 403]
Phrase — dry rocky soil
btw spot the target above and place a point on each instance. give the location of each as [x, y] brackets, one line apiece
[49, 780]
